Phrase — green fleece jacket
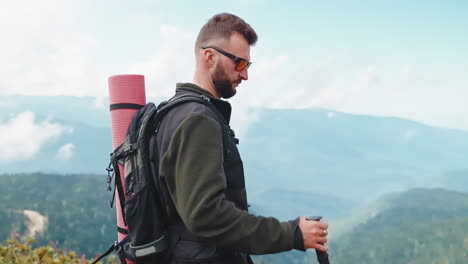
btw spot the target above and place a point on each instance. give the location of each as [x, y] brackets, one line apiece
[207, 192]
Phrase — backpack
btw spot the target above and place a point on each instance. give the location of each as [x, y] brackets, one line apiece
[142, 201]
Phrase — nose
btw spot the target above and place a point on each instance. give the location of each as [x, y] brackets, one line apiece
[244, 74]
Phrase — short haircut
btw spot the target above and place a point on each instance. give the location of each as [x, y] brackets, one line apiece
[222, 26]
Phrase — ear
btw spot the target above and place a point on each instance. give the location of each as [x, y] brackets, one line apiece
[208, 57]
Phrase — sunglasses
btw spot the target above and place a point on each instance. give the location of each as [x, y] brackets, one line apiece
[241, 63]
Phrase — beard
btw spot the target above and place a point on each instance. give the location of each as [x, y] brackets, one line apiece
[222, 83]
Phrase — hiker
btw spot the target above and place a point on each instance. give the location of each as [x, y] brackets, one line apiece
[200, 167]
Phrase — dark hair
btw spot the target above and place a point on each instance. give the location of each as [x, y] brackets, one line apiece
[222, 26]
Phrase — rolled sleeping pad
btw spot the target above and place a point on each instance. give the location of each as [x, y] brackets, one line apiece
[126, 96]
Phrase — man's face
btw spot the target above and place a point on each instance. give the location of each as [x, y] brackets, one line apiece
[225, 77]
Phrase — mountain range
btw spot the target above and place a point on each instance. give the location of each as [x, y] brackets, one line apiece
[347, 157]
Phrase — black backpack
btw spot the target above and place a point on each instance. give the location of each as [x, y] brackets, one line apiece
[142, 202]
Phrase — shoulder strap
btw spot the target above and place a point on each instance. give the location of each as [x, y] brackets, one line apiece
[165, 106]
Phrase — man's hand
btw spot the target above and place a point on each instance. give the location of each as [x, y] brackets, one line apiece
[314, 234]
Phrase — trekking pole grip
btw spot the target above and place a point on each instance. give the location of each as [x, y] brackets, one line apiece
[322, 256]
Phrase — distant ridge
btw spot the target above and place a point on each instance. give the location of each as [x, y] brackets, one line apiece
[419, 226]
[354, 158]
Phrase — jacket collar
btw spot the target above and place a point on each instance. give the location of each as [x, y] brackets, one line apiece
[223, 107]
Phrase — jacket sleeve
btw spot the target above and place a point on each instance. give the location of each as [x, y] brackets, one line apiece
[193, 169]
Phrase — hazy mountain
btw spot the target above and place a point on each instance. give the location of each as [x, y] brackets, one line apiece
[454, 180]
[349, 159]
[286, 203]
[78, 110]
[349, 155]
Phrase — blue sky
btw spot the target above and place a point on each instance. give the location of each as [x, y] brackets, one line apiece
[393, 58]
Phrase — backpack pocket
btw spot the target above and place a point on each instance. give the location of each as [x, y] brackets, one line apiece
[187, 251]
[143, 214]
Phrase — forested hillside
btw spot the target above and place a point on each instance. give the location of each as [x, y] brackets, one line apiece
[76, 208]
[420, 226]
[417, 226]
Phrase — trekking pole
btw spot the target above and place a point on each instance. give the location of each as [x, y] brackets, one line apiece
[322, 256]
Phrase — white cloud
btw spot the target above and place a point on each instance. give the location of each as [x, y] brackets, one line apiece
[331, 114]
[406, 71]
[342, 82]
[48, 51]
[329, 97]
[40, 53]
[101, 102]
[65, 152]
[409, 134]
[22, 136]
[151, 2]
[173, 61]
[285, 81]
[368, 76]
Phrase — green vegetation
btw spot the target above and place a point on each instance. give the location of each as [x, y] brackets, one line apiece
[12, 220]
[421, 226]
[417, 226]
[76, 207]
[16, 252]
